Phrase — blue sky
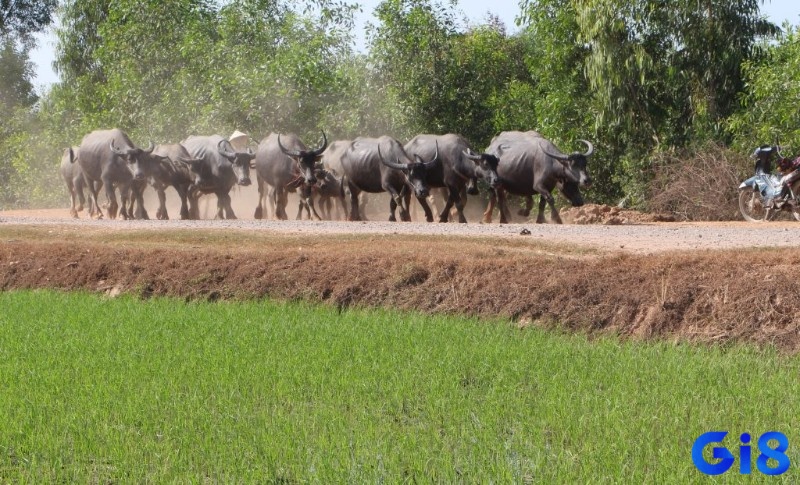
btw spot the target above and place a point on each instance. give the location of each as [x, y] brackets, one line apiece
[475, 10]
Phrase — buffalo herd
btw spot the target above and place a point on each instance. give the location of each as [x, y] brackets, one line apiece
[518, 163]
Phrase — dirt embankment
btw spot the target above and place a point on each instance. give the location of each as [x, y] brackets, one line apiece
[708, 296]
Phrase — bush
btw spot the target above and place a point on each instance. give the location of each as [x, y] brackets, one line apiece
[699, 184]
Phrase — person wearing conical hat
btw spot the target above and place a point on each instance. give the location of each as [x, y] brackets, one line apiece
[239, 140]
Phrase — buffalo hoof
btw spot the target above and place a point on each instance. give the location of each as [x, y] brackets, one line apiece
[259, 214]
[524, 212]
[540, 220]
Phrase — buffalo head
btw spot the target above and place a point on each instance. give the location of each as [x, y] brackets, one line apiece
[572, 191]
[306, 159]
[485, 166]
[239, 160]
[202, 175]
[416, 173]
[574, 165]
[139, 161]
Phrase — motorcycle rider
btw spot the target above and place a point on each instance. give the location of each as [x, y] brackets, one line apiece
[790, 171]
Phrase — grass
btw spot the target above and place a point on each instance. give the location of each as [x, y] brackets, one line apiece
[98, 390]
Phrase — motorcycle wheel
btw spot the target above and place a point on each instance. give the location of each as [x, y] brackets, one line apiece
[751, 205]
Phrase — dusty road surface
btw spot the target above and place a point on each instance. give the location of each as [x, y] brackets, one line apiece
[637, 238]
[700, 282]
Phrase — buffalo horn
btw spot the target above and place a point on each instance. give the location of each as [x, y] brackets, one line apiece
[149, 148]
[394, 165]
[472, 155]
[291, 153]
[225, 153]
[589, 148]
[71, 155]
[321, 149]
[563, 158]
[435, 158]
[117, 150]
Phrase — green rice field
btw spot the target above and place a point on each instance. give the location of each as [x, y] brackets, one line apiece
[100, 390]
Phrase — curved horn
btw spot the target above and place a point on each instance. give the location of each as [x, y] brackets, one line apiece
[589, 148]
[472, 155]
[436, 155]
[225, 153]
[394, 165]
[72, 156]
[321, 149]
[291, 153]
[149, 148]
[117, 150]
[563, 158]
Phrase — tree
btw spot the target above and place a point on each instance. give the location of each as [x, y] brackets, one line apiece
[21, 18]
[769, 106]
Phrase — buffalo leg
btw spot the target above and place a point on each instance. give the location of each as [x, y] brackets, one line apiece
[79, 183]
[423, 201]
[194, 205]
[545, 193]
[404, 201]
[502, 205]
[224, 203]
[259, 213]
[161, 213]
[540, 215]
[525, 212]
[182, 194]
[281, 200]
[487, 214]
[354, 193]
[136, 190]
[113, 206]
[72, 196]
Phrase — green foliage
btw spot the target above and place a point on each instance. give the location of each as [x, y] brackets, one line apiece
[770, 102]
[638, 79]
[21, 18]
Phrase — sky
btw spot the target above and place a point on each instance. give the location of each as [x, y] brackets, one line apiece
[778, 11]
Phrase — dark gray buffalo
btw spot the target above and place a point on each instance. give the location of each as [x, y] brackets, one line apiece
[459, 165]
[109, 158]
[174, 170]
[377, 165]
[73, 176]
[332, 162]
[285, 164]
[217, 168]
[529, 164]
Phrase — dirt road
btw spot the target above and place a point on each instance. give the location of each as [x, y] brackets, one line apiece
[637, 238]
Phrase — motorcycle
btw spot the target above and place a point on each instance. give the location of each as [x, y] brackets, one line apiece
[760, 196]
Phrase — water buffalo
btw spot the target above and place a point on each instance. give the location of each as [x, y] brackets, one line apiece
[285, 164]
[109, 158]
[332, 162]
[459, 165]
[73, 176]
[329, 189]
[217, 169]
[381, 165]
[529, 164]
[174, 170]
